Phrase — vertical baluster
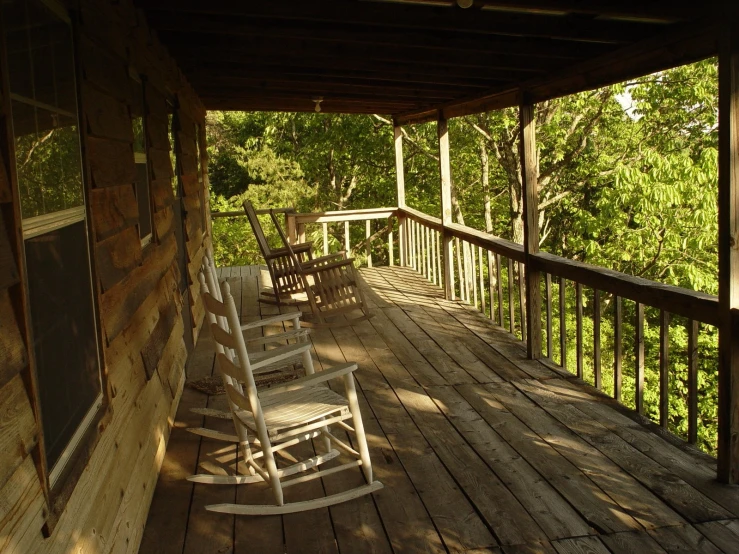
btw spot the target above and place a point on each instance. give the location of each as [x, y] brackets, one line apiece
[439, 268]
[596, 340]
[390, 247]
[490, 285]
[367, 232]
[639, 358]
[617, 348]
[500, 289]
[347, 240]
[413, 245]
[522, 300]
[426, 254]
[578, 323]
[473, 274]
[548, 290]
[421, 250]
[483, 303]
[325, 239]
[693, 381]
[434, 253]
[562, 323]
[459, 270]
[511, 303]
[664, 368]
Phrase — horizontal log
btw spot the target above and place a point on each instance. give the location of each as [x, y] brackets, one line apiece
[107, 117]
[188, 164]
[18, 430]
[107, 72]
[190, 185]
[22, 508]
[691, 304]
[156, 102]
[187, 144]
[161, 164]
[185, 123]
[8, 268]
[163, 220]
[120, 303]
[157, 132]
[113, 209]
[111, 161]
[13, 355]
[344, 215]
[162, 193]
[152, 351]
[117, 256]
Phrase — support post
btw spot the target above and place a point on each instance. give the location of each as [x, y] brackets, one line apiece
[400, 180]
[728, 256]
[529, 181]
[292, 233]
[446, 206]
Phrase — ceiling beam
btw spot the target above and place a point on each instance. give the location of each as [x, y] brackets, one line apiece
[289, 50]
[673, 11]
[199, 24]
[388, 15]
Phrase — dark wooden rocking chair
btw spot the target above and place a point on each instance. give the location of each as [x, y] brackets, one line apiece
[330, 285]
[287, 284]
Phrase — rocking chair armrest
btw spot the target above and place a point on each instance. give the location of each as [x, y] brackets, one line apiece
[271, 319]
[297, 248]
[311, 380]
[341, 255]
[332, 265]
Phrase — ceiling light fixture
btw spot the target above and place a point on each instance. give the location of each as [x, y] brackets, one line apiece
[318, 100]
[464, 3]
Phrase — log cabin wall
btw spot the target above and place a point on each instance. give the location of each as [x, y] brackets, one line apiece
[139, 295]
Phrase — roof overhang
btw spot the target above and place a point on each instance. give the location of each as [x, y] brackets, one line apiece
[418, 60]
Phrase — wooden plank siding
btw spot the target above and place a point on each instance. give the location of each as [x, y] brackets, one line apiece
[139, 302]
[480, 449]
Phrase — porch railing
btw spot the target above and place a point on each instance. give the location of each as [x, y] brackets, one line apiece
[488, 273]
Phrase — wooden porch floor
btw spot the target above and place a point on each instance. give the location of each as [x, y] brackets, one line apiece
[480, 450]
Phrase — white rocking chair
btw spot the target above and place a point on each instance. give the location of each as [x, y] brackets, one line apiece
[289, 355]
[283, 416]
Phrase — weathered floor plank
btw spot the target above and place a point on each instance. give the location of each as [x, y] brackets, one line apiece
[480, 450]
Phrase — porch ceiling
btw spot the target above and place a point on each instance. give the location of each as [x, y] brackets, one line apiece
[413, 56]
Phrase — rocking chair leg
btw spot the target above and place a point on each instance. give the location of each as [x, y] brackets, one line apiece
[351, 394]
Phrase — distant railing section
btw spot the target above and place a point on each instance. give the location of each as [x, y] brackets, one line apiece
[489, 273]
[298, 222]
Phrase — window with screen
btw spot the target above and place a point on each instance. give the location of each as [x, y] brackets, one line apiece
[138, 122]
[43, 96]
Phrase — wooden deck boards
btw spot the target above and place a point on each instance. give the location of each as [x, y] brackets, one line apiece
[480, 450]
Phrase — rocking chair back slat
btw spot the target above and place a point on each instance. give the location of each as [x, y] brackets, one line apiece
[251, 214]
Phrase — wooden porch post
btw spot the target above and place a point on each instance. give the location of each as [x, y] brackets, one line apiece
[446, 206]
[531, 228]
[728, 257]
[400, 177]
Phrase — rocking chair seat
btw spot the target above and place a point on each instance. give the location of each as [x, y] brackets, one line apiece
[298, 408]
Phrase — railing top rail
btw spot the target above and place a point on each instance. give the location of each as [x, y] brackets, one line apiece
[259, 212]
[344, 215]
[694, 305]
